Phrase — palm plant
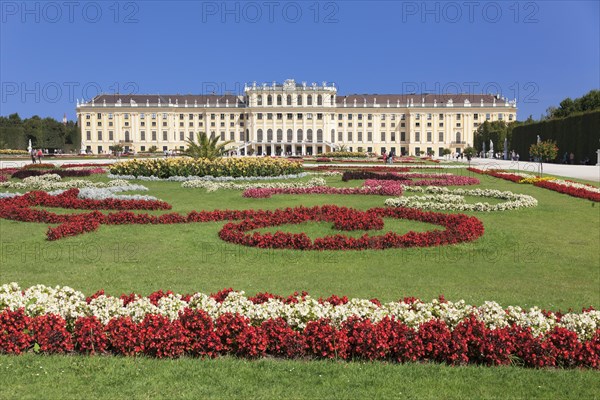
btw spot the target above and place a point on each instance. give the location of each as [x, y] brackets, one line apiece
[207, 147]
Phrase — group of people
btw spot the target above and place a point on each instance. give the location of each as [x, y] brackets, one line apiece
[36, 155]
[568, 158]
[388, 158]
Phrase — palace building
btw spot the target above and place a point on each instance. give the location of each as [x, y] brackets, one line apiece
[291, 119]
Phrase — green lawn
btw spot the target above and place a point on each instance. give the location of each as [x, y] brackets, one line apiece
[547, 256]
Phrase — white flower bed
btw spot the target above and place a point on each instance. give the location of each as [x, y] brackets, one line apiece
[110, 193]
[442, 198]
[54, 182]
[208, 178]
[211, 186]
[70, 304]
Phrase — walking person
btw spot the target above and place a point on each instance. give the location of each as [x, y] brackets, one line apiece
[32, 154]
[572, 158]
[39, 156]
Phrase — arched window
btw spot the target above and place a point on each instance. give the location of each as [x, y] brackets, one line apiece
[279, 135]
[319, 100]
[309, 100]
[319, 135]
[279, 100]
[269, 100]
[299, 100]
[259, 100]
[300, 135]
[269, 135]
[457, 137]
[309, 136]
[332, 136]
[290, 135]
[259, 135]
[127, 136]
[289, 100]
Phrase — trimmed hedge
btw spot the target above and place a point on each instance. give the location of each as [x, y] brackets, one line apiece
[579, 134]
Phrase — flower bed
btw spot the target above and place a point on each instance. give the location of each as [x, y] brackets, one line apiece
[453, 200]
[234, 167]
[85, 165]
[177, 178]
[558, 185]
[371, 187]
[212, 186]
[168, 325]
[54, 182]
[459, 228]
[13, 152]
[21, 174]
[39, 166]
[571, 188]
[344, 154]
[423, 179]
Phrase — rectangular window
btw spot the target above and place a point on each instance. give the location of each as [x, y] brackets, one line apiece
[181, 136]
[349, 116]
[510, 117]
[99, 123]
[164, 136]
[402, 124]
[232, 136]
[142, 123]
[369, 116]
[222, 136]
[475, 117]
[99, 115]
[99, 135]
[418, 117]
[440, 136]
[259, 116]
[441, 124]
[429, 117]
[429, 124]
[180, 116]
[153, 115]
[360, 136]
[369, 136]
[393, 136]
[191, 116]
[222, 116]
[269, 116]
[458, 117]
[403, 136]
[458, 124]
[500, 117]
[441, 116]
[383, 136]
[279, 116]
[417, 124]
[299, 116]
[319, 116]
[231, 116]
[429, 136]
[142, 135]
[417, 136]
[88, 135]
[487, 117]
[360, 117]
[181, 124]
[110, 116]
[164, 123]
[191, 124]
[349, 124]
[154, 135]
[164, 115]
[111, 135]
[290, 116]
[340, 124]
[349, 136]
[340, 136]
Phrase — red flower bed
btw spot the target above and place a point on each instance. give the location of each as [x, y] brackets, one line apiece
[459, 228]
[358, 174]
[195, 334]
[496, 173]
[65, 166]
[571, 191]
[425, 179]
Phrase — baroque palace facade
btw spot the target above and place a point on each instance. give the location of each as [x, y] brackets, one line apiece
[292, 119]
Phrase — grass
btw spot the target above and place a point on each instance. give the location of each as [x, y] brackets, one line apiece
[548, 256]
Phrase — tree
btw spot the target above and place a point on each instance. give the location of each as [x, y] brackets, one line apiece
[206, 147]
[116, 148]
[469, 152]
[446, 151]
[496, 131]
[545, 150]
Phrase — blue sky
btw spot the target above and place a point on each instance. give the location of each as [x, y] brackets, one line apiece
[55, 52]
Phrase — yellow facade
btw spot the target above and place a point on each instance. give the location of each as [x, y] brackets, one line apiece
[292, 119]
